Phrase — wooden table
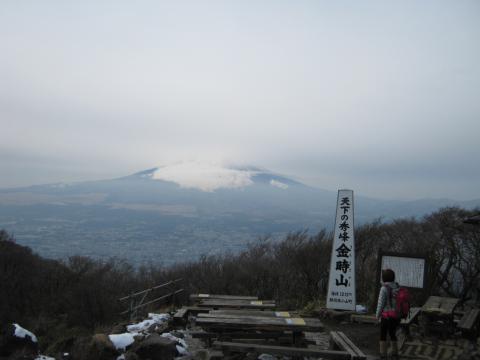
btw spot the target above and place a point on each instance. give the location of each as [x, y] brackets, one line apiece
[252, 312]
[201, 297]
[238, 304]
[260, 323]
[243, 326]
[437, 313]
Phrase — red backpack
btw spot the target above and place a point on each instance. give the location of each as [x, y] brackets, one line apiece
[402, 305]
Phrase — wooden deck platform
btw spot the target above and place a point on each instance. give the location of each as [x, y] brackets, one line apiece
[280, 350]
[261, 323]
[238, 304]
[254, 312]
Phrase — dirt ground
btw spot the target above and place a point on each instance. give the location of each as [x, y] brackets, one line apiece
[366, 337]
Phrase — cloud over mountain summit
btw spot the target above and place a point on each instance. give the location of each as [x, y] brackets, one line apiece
[209, 176]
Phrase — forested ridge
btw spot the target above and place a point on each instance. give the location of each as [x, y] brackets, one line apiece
[80, 295]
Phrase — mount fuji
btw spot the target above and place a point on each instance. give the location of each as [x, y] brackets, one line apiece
[178, 212]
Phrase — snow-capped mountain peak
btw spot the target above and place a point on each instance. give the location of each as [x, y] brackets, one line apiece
[204, 176]
[211, 176]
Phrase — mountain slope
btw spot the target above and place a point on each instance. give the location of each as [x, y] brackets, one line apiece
[176, 213]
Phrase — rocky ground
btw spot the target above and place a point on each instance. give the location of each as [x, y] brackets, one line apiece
[155, 337]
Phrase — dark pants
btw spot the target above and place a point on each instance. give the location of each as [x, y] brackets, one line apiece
[389, 325]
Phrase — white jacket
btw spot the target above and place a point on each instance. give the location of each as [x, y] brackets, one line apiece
[386, 302]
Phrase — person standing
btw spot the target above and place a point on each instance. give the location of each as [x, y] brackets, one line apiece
[387, 315]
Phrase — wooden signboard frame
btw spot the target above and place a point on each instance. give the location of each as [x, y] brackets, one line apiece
[381, 254]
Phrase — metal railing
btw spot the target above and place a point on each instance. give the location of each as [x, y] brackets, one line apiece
[139, 299]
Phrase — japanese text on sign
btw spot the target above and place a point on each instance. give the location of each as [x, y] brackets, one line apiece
[341, 284]
[409, 271]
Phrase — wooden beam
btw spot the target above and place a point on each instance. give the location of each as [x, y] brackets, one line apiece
[281, 350]
[252, 317]
[341, 341]
[467, 322]
[221, 297]
[265, 324]
[238, 304]
[255, 312]
[236, 335]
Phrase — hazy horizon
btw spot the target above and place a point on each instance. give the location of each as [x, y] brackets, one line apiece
[378, 97]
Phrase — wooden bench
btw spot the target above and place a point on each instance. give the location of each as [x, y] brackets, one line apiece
[338, 340]
[468, 324]
[371, 319]
[281, 350]
[438, 315]
[200, 297]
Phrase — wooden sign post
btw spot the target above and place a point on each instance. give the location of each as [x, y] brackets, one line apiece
[341, 284]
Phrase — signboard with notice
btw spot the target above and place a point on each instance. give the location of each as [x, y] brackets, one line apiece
[410, 270]
[341, 285]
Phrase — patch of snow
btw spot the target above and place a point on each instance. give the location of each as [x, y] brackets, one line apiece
[177, 339]
[279, 184]
[266, 357]
[121, 341]
[204, 176]
[181, 350]
[23, 333]
[121, 357]
[360, 309]
[145, 324]
[43, 357]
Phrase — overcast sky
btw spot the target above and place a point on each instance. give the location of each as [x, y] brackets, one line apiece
[379, 96]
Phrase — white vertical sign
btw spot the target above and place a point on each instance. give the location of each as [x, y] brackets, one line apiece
[341, 283]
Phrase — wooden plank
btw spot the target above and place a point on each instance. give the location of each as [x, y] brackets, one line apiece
[266, 324]
[238, 301]
[371, 319]
[339, 342]
[432, 302]
[449, 304]
[221, 297]
[228, 316]
[237, 304]
[235, 335]
[440, 305]
[196, 309]
[281, 350]
[468, 320]
[215, 355]
[255, 312]
[357, 353]
[180, 314]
